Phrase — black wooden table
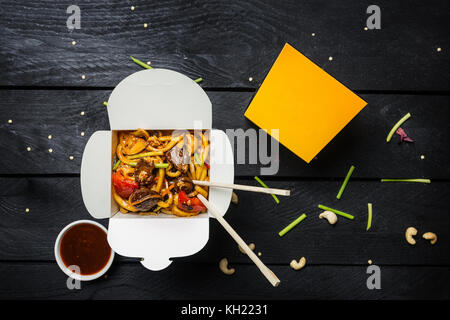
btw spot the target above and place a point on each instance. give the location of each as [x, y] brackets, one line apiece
[47, 81]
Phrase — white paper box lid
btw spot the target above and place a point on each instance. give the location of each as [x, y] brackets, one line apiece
[159, 99]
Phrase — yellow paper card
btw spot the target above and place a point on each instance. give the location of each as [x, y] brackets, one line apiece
[306, 104]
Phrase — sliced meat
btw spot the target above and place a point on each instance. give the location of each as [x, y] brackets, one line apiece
[143, 174]
[184, 184]
[144, 199]
[179, 157]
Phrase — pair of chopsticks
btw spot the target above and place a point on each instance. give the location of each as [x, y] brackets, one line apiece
[280, 192]
[273, 279]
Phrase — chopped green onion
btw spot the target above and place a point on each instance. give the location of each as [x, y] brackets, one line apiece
[265, 186]
[105, 103]
[133, 164]
[145, 154]
[161, 165]
[407, 180]
[116, 165]
[197, 159]
[291, 225]
[396, 126]
[140, 63]
[346, 215]
[369, 216]
[146, 66]
[344, 184]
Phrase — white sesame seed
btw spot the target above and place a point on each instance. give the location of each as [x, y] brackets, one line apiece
[28, 149]
[50, 150]
[259, 254]
[330, 58]
[132, 8]
[313, 34]
[9, 121]
[250, 79]
[422, 157]
[82, 134]
[71, 157]
[145, 25]
[83, 77]
[369, 262]
[149, 63]
[82, 113]
[74, 43]
[49, 136]
[27, 210]
[365, 28]
[439, 49]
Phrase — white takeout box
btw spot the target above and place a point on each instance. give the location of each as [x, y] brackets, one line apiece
[154, 99]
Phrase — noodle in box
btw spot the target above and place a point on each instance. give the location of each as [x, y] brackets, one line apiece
[139, 174]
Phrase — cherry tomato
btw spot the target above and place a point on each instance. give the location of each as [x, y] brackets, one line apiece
[189, 204]
[123, 186]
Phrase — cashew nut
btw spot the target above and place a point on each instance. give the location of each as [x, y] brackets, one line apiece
[251, 246]
[234, 198]
[409, 233]
[330, 216]
[298, 265]
[223, 266]
[430, 236]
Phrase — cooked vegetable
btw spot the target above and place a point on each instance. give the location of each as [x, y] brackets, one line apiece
[133, 145]
[146, 66]
[369, 216]
[265, 186]
[407, 180]
[179, 157]
[140, 63]
[123, 186]
[146, 154]
[346, 215]
[190, 204]
[144, 199]
[396, 126]
[197, 159]
[161, 165]
[291, 225]
[344, 184]
[116, 165]
[144, 172]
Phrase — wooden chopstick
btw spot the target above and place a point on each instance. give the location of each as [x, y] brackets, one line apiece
[280, 192]
[262, 267]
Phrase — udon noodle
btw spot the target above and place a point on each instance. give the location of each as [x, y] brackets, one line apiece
[153, 171]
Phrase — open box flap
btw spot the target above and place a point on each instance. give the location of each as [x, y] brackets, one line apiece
[95, 175]
[159, 99]
[157, 239]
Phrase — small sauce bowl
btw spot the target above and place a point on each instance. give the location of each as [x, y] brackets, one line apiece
[69, 242]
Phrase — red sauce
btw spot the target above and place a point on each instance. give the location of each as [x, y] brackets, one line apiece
[86, 246]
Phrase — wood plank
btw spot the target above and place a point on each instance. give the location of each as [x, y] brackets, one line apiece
[225, 42]
[206, 281]
[39, 113]
[55, 202]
